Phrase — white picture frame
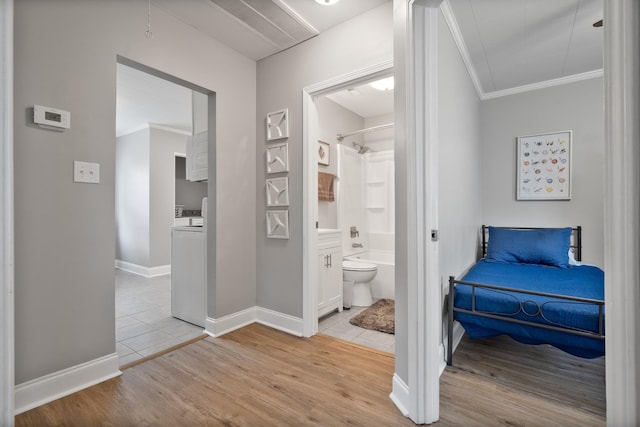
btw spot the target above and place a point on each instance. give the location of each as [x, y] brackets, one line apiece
[277, 191]
[544, 166]
[278, 158]
[278, 124]
[324, 153]
[278, 224]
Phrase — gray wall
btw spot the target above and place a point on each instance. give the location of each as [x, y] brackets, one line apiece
[576, 106]
[333, 119]
[360, 42]
[64, 232]
[163, 146]
[144, 195]
[188, 193]
[459, 169]
[132, 198]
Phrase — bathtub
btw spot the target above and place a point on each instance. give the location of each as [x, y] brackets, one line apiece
[383, 285]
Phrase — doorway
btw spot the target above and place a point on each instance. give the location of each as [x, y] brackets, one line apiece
[312, 134]
[157, 117]
[356, 126]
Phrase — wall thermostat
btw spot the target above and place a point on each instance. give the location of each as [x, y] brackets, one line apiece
[51, 118]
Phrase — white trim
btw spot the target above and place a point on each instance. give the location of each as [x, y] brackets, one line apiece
[310, 134]
[466, 58]
[224, 325]
[280, 321]
[400, 395]
[276, 320]
[6, 218]
[140, 270]
[458, 333]
[155, 126]
[454, 28]
[543, 85]
[441, 355]
[622, 210]
[48, 388]
[423, 283]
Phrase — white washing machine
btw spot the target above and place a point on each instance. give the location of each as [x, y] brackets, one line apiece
[189, 274]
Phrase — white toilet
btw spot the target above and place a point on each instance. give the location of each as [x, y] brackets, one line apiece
[361, 274]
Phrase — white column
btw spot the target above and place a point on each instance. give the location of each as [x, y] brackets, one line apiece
[6, 215]
[622, 210]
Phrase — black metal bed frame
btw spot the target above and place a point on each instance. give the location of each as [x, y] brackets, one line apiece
[576, 245]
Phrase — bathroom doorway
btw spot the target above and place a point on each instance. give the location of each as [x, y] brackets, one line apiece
[357, 124]
[328, 114]
[156, 118]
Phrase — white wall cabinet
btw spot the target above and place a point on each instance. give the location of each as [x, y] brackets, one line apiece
[329, 271]
[197, 160]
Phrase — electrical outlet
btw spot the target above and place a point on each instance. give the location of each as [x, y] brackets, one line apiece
[86, 172]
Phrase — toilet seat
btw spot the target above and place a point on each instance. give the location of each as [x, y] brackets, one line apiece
[348, 264]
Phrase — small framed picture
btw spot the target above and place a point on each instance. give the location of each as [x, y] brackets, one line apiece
[278, 224]
[277, 191]
[278, 158]
[324, 153]
[278, 125]
[544, 166]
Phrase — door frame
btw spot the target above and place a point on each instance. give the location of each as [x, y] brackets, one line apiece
[7, 338]
[310, 133]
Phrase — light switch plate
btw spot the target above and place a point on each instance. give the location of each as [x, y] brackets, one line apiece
[86, 172]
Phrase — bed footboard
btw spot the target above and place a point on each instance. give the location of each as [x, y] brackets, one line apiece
[452, 310]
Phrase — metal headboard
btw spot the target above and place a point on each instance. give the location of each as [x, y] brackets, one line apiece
[576, 240]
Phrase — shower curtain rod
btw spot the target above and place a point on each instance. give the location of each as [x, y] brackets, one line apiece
[342, 136]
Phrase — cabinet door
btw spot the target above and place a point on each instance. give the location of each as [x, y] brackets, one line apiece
[197, 157]
[323, 256]
[329, 280]
[333, 278]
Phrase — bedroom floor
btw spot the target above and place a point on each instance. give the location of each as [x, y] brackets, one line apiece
[499, 381]
[337, 325]
[144, 325]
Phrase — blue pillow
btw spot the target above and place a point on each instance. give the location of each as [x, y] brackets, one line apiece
[548, 246]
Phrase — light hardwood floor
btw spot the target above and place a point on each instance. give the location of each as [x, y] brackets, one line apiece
[257, 376]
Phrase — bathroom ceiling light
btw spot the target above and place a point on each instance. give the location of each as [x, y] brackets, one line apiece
[327, 2]
[383, 84]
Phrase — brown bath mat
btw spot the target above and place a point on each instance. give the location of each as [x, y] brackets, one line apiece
[379, 317]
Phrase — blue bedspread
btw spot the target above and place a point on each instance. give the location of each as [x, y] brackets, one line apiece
[577, 281]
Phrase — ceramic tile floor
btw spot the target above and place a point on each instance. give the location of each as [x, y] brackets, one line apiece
[337, 325]
[144, 325]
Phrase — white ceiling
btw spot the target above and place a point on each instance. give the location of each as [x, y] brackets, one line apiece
[515, 43]
[508, 45]
[142, 98]
[364, 100]
[207, 17]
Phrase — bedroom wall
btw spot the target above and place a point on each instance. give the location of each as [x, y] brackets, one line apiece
[460, 171]
[363, 41]
[64, 232]
[576, 106]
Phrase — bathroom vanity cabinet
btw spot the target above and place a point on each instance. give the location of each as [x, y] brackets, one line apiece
[329, 271]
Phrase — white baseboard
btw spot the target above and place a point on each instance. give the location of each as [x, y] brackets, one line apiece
[39, 391]
[442, 358]
[458, 333]
[140, 270]
[283, 322]
[400, 395]
[226, 324]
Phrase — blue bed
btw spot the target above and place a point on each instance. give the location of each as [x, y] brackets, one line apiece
[528, 287]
